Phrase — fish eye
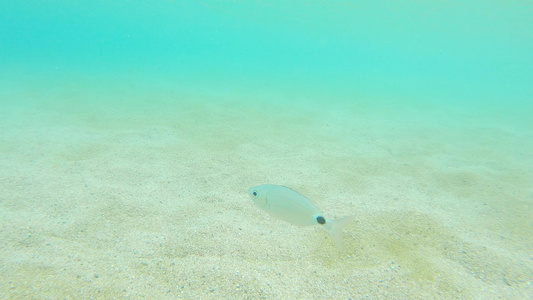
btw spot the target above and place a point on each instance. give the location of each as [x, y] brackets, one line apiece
[254, 193]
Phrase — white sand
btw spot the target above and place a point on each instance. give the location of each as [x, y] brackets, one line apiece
[146, 197]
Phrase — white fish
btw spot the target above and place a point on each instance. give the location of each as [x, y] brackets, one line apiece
[288, 205]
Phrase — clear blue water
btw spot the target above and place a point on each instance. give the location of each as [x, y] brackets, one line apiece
[131, 130]
[477, 52]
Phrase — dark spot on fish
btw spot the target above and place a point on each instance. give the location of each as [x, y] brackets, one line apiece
[321, 220]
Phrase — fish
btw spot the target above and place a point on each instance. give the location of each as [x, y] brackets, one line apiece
[288, 205]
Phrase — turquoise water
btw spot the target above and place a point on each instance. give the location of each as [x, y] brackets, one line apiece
[130, 130]
[478, 52]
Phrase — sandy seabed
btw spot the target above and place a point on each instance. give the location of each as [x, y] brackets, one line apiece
[136, 195]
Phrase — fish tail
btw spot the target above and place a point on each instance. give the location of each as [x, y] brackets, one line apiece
[335, 227]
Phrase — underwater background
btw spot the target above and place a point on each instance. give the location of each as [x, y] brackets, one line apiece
[130, 132]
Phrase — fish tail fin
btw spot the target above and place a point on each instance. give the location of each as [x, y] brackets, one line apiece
[335, 227]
